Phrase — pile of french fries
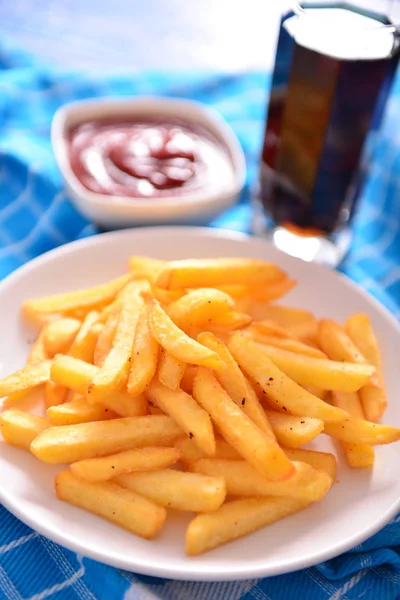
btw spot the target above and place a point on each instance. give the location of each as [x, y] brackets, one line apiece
[182, 385]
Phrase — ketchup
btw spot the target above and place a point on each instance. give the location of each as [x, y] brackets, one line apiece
[147, 158]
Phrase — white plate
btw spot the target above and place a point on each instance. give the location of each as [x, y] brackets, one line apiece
[359, 504]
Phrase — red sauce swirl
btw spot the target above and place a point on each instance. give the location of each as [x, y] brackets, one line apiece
[148, 158]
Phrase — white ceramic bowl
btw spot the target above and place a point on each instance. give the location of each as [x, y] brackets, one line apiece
[111, 211]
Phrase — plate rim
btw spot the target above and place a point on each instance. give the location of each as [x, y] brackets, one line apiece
[219, 573]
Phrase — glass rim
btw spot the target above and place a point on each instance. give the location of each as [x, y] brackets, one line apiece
[388, 27]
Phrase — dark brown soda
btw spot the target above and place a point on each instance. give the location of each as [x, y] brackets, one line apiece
[320, 112]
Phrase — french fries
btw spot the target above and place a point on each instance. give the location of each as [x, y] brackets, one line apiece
[290, 344]
[185, 411]
[215, 272]
[145, 267]
[236, 385]
[236, 519]
[72, 373]
[113, 373]
[85, 341]
[174, 489]
[334, 340]
[242, 480]
[293, 431]
[325, 374]
[259, 449]
[176, 342]
[321, 461]
[284, 316]
[144, 356]
[278, 388]
[358, 456]
[82, 300]
[113, 502]
[272, 290]
[170, 370]
[29, 377]
[78, 411]
[138, 459]
[156, 400]
[20, 428]
[71, 443]
[190, 452]
[106, 337]
[59, 335]
[54, 394]
[354, 431]
[199, 306]
[359, 329]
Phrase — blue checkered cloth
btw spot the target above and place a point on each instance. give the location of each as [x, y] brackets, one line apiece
[36, 216]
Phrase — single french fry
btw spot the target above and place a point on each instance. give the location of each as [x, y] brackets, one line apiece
[137, 459]
[85, 340]
[306, 332]
[124, 405]
[77, 375]
[72, 373]
[335, 342]
[194, 273]
[292, 345]
[26, 378]
[59, 335]
[243, 304]
[165, 297]
[261, 450]
[70, 443]
[237, 519]
[270, 328]
[285, 317]
[294, 431]
[170, 370]
[358, 456]
[360, 330]
[176, 342]
[235, 383]
[144, 356]
[185, 411]
[97, 328]
[145, 267]
[323, 373]
[321, 461]
[272, 290]
[359, 431]
[374, 401]
[113, 502]
[113, 373]
[78, 410]
[36, 354]
[190, 452]
[315, 391]
[54, 393]
[175, 489]
[154, 410]
[199, 306]
[279, 389]
[235, 290]
[82, 300]
[188, 378]
[20, 428]
[106, 336]
[242, 479]
[229, 321]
